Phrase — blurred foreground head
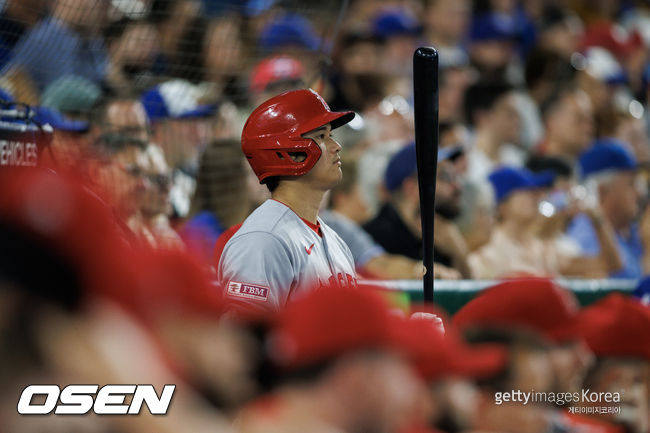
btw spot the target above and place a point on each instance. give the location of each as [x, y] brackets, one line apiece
[344, 362]
[617, 329]
[538, 307]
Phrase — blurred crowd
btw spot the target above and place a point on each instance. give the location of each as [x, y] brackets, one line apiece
[542, 108]
[109, 246]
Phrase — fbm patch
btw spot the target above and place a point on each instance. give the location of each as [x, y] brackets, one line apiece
[248, 291]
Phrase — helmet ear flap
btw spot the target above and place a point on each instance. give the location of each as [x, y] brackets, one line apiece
[284, 157]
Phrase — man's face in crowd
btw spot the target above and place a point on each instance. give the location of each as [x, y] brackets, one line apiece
[128, 119]
[570, 362]
[504, 119]
[122, 179]
[521, 206]
[628, 374]
[572, 123]
[449, 19]
[123, 174]
[447, 190]
[384, 389]
[621, 196]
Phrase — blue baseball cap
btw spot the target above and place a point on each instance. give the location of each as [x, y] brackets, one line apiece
[606, 155]
[507, 180]
[642, 291]
[493, 27]
[289, 30]
[6, 96]
[395, 22]
[404, 164]
[176, 99]
[46, 115]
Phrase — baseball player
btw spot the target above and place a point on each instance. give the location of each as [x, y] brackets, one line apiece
[283, 249]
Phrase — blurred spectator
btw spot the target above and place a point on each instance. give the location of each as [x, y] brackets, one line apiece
[446, 24]
[356, 55]
[397, 226]
[172, 18]
[210, 53]
[569, 121]
[518, 194]
[156, 206]
[556, 211]
[489, 318]
[348, 210]
[560, 31]
[610, 171]
[611, 328]
[72, 95]
[492, 46]
[71, 141]
[294, 35]
[66, 42]
[630, 127]
[544, 72]
[529, 367]
[275, 75]
[454, 77]
[120, 134]
[221, 199]
[397, 30]
[133, 46]
[17, 17]
[78, 259]
[182, 126]
[491, 110]
[356, 380]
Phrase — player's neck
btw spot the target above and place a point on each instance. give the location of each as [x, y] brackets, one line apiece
[304, 202]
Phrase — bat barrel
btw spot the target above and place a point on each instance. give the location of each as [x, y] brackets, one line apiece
[425, 91]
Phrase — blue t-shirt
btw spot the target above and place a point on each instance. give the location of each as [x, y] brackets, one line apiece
[630, 248]
[51, 50]
[200, 234]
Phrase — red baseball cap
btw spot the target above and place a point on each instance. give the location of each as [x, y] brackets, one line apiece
[273, 70]
[169, 280]
[617, 325]
[536, 304]
[330, 322]
[61, 213]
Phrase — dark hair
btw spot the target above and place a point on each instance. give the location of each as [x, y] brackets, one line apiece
[543, 65]
[483, 96]
[557, 164]
[272, 183]
[221, 182]
[556, 98]
[191, 47]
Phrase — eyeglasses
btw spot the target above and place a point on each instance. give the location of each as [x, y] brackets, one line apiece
[162, 181]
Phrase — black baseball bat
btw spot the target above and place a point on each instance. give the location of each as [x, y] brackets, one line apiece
[425, 93]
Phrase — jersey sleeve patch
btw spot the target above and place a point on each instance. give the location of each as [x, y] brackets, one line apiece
[237, 289]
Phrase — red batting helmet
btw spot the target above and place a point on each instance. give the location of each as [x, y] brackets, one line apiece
[275, 128]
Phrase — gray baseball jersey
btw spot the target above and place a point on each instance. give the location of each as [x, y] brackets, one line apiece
[276, 257]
